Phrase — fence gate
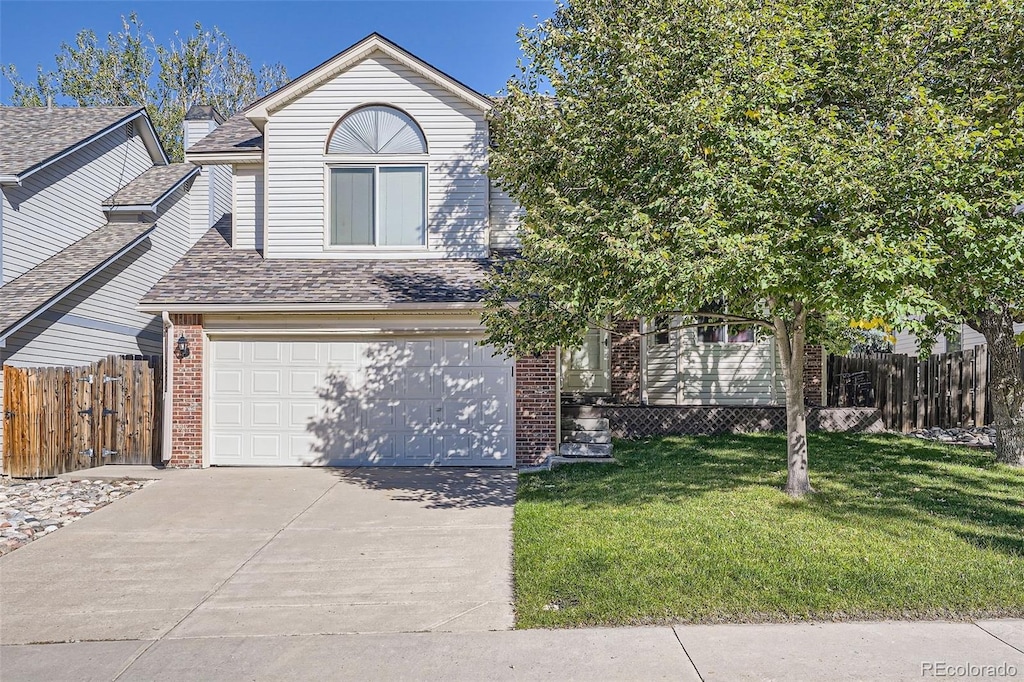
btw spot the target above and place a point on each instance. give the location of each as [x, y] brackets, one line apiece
[60, 419]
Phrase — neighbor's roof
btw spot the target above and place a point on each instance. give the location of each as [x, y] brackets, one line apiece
[152, 186]
[32, 136]
[45, 284]
[237, 134]
[212, 273]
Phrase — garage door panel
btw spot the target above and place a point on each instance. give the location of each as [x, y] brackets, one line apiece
[386, 402]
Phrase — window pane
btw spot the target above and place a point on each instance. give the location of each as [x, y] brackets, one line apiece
[661, 326]
[352, 206]
[741, 333]
[715, 334]
[402, 219]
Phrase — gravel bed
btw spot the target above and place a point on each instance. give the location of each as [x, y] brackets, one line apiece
[983, 437]
[31, 509]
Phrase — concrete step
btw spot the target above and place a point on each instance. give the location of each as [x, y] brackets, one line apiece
[586, 437]
[584, 424]
[585, 450]
[581, 411]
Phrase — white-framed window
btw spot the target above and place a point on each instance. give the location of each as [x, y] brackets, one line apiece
[662, 330]
[378, 205]
[714, 330]
[377, 180]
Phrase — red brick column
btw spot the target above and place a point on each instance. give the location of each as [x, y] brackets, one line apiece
[814, 374]
[187, 415]
[625, 359]
[536, 408]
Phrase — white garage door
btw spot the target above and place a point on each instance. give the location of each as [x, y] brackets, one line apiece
[408, 402]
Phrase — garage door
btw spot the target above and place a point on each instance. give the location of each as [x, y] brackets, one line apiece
[386, 402]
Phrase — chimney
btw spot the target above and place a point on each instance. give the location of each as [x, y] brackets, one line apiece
[210, 196]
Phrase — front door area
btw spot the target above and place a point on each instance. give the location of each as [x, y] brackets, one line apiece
[587, 369]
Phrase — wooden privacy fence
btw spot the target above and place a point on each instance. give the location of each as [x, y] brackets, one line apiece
[946, 390]
[60, 419]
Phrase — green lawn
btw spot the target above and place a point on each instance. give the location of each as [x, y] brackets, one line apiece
[698, 530]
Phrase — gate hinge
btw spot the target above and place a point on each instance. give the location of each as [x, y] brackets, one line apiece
[87, 379]
[87, 410]
[107, 380]
[8, 414]
[108, 453]
[87, 453]
[107, 411]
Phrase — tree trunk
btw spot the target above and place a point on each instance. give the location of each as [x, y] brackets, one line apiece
[1006, 383]
[790, 339]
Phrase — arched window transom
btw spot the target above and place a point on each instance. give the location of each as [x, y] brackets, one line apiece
[377, 129]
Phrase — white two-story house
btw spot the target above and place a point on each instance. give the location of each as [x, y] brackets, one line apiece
[334, 317]
[92, 214]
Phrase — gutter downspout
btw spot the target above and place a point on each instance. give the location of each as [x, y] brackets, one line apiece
[168, 406]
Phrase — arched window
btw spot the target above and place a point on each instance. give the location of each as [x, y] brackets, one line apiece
[377, 129]
[377, 201]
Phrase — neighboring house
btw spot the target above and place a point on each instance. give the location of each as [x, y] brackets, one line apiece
[334, 318]
[962, 337]
[92, 215]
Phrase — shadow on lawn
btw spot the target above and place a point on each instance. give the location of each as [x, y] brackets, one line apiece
[884, 480]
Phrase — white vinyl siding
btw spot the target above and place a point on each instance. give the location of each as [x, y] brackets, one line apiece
[504, 219]
[908, 343]
[248, 213]
[296, 139]
[686, 372]
[62, 203]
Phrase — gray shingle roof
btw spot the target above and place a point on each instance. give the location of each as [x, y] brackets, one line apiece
[237, 134]
[46, 283]
[31, 135]
[214, 273]
[153, 184]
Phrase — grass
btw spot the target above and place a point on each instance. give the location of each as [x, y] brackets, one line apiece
[698, 530]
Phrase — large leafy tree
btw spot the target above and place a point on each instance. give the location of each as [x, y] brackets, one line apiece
[961, 181]
[131, 68]
[673, 154]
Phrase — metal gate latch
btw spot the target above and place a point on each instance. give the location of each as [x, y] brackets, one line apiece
[107, 411]
[108, 453]
[87, 453]
[107, 380]
[86, 379]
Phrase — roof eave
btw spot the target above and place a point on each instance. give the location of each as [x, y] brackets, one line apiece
[184, 307]
[220, 158]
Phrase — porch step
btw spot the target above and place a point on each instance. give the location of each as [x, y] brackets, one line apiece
[585, 450]
[570, 423]
[586, 436]
[577, 411]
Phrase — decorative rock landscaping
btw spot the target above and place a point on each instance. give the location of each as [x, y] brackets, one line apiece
[32, 509]
[984, 437]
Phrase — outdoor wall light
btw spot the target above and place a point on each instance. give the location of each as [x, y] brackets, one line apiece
[181, 348]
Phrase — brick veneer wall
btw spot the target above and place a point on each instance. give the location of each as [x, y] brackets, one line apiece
[814, 374]
[536, 408]
[187, 415]
[625, 360]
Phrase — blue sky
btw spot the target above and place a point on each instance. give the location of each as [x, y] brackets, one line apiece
[473, 40]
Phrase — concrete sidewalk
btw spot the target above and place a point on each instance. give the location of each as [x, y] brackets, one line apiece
[832, 651]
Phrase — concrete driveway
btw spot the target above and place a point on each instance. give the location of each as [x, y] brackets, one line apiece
[252, 552]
